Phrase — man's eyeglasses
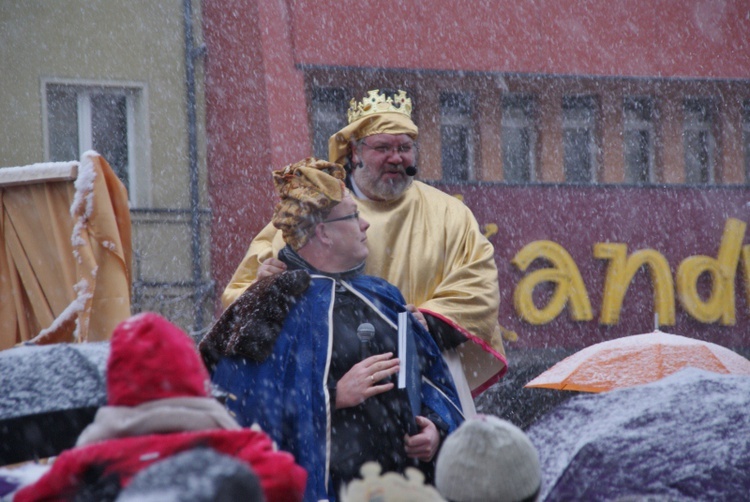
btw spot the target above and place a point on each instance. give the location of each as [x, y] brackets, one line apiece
[354, 215]
[403, 149]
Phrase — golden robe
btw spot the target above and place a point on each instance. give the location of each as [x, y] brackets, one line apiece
[429, 245]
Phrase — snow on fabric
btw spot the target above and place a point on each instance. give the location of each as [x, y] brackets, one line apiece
[76, 270]
[682, 438]
[83, 200]
[71, 311]
[41, 173]
[38, 379]
[638, 359]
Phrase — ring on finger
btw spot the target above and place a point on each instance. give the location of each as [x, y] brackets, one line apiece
[372, 378]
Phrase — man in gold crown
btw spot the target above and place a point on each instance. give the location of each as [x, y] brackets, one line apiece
[422, 240]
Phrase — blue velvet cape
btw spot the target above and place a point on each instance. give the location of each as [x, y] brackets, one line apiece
[287, 393]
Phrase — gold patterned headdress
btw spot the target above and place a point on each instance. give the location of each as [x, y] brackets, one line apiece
[376, 113]
[309, 189]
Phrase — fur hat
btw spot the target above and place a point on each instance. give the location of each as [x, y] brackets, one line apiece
[198, 475]
[151, 358]
[309, 189]
[488, 459]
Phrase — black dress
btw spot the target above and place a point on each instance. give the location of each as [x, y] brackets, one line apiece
[375, 429]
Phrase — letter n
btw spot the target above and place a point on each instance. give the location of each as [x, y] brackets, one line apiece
[620, 273]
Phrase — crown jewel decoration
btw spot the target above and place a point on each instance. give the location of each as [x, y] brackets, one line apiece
[375, 102]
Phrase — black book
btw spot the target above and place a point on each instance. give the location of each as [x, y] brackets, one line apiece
[410, 373]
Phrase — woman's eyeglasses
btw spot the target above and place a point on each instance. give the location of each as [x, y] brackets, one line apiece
[354, 215]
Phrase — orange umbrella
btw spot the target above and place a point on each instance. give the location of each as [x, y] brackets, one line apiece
[635, 360]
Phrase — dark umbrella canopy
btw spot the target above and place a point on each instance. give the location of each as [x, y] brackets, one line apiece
[686, 437]
[50, 393]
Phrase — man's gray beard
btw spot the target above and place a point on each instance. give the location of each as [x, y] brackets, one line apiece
[383, 189]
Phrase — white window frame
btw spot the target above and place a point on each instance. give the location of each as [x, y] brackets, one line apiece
[326, 113]
[525, 121]
[698, 126]
[640, 124]
[136, 99]
[462, 120]
[588, 123]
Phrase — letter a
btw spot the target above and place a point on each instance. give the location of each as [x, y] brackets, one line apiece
[564, 274]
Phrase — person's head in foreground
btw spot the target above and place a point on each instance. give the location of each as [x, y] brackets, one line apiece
[488, 459]
[389, 486]
[197, 475]
[378, 145]
[137, 369]
[159, 406]
[318, 218]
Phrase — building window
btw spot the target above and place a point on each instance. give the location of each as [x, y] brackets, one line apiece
[329, 106]
[746, 138]
[94, 117]
[518, 139]
[579, 139]
[698, 141]
[638, 140]
[457, 136]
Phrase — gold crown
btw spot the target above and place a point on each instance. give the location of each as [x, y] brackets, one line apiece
[375, 102]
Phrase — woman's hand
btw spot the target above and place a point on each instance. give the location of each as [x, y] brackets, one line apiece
[361, 381]
[423, 445]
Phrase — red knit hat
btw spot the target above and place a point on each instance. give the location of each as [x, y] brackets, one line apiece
[151, 359]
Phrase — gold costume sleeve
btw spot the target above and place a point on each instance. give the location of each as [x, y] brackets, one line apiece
[266, 244]
[468, 291]
[430, 246]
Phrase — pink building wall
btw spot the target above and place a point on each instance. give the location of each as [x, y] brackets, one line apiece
[256, 111]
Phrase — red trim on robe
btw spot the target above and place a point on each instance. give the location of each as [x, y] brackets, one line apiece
[484, 345]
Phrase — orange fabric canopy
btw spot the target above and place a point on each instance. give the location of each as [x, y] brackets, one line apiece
[635, 360]
[65, 256]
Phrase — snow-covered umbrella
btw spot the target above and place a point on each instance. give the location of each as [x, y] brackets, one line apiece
[50, 393]
[685, 437]
[638, 359]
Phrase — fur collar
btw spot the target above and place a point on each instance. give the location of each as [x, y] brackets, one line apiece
[250, 325]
